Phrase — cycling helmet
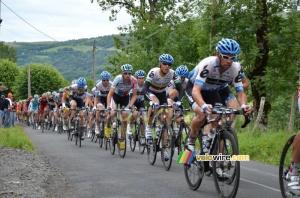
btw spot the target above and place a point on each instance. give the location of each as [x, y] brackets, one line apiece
[228, 46]
[81, 82]
[44, 96]
[166, 58]
[126, 68]
[54, 93]
[140, 73]
[61, 90]
[36, 96]
[74, 81]
[48, 93]
[182, 71]
[105, 75]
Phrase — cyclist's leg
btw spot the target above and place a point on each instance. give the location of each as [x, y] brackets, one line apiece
[97, 122]
[151, 116]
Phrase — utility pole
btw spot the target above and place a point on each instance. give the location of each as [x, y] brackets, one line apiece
[29, 81]
[94, 57]
[0, 13]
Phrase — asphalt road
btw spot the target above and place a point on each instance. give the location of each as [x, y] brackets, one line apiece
[94, 172]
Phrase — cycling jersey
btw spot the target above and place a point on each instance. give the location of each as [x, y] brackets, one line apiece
[207, 75]
[123, 88]
[58, 99]
[101, 90]
[172, 85]
[158, 81]
[33, 105]
[77, 92]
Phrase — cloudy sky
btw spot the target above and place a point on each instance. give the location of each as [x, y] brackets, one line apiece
[60, 20]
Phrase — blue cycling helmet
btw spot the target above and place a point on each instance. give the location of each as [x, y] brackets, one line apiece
[182, 71]
[105, 75]
[140, 73]
[228, 46]
[36, 96]
[81, 82]
[166, 58]
[126, 68]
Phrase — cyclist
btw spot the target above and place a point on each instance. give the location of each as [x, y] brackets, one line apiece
[207, 85]
[293, 175]
[139, 102]
[58, 104]
[65, 104]
[78, 99]
[51, 106]
[33, 108]
[119, 95]
[154, 89]
[43, 109]
[172, 94]
[100, 101]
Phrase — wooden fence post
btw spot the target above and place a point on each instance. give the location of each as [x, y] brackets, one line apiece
[260, 112]
[293, 112]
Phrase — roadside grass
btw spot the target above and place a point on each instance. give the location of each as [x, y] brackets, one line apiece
[15, 137]
[264, 147]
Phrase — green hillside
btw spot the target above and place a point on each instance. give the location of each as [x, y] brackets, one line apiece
[72, 58]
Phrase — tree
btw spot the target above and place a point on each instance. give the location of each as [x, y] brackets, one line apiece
[9, 72]
[7, 52]
[44, 78]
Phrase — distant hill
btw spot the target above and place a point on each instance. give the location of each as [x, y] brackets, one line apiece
[73, 58]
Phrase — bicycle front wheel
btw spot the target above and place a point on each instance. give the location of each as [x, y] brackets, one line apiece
[226, 173]
[194, 173]
[151, 151]
[182, 137]
[284, 165]
[168, 144]
[112, 142]
[121, 140]
[132, 139]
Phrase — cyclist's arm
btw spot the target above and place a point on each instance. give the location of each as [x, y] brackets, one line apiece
[196, 93]
[109, 96]
[133, 98]
[180, 90]
[145, 90]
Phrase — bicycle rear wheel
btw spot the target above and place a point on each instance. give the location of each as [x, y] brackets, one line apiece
[182, 137]
[168, 146]
[284, 165]
[101, 135]
[142, 138]
[226, 174]
[121, 140]
[151, 151]
[113, 141]
[133, 138]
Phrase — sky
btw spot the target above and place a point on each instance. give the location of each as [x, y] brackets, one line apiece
[60, 20]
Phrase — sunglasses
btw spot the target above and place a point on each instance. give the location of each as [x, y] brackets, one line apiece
[125, 73]
[141, 77]
[169, 64]
[232, 58]
[104, 80]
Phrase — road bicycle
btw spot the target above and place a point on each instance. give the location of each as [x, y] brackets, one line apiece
[74, 126]
[164, 140]
[183, 129]
[118, 137]
[138, 134]
[226, 173]
[284, 165]
[101, 126]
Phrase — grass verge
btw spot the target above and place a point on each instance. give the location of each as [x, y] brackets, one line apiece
[264, 147]
[15, 137]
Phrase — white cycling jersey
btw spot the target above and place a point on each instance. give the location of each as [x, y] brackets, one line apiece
[207, 74]
[123, 88]
[159, 81]
[78, 92]
[101, 90]
[172, 85]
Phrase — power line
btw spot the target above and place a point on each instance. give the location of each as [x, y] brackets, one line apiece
[27, 22]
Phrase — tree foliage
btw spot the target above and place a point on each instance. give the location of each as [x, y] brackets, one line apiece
[8, 52]
[9, 73]
[43, 78]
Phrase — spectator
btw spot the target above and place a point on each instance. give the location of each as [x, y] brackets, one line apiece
[13, 116]
[12, 109]
[3, 103]
[7, 111]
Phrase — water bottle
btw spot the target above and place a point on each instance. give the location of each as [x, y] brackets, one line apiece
[210, 136]
[204, 139]
[114, 125]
